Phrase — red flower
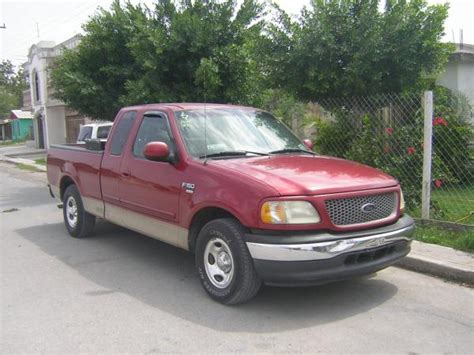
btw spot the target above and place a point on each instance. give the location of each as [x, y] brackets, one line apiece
[438, 183]
[411, 150]
[440, 121]
[389, 130]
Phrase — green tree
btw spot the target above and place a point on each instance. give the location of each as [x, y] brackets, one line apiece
[350, 47]
[93, 77]
[12, 84]
[187, 51]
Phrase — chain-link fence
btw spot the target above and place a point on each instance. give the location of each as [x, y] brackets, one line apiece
[388, 132]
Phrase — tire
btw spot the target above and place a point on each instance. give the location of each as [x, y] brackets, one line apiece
[78, 222]
[220, 243]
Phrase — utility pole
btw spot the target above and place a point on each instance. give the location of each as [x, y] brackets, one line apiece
[427, 155]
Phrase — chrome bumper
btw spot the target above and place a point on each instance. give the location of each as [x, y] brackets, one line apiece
[332, 245]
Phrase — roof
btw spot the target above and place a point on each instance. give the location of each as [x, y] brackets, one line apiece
[464, 48]
[463, 53]
[187, 106]
[21, 114]
[50, 48]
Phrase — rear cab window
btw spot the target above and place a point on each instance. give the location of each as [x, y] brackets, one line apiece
[122, 131]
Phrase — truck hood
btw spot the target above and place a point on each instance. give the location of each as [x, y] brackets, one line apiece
[309, 175]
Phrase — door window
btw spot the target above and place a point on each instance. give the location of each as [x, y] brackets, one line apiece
[152, 129]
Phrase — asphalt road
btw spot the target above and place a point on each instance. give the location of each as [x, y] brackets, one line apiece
[122, 292]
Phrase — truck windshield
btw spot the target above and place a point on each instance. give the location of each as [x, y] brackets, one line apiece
[234, 130]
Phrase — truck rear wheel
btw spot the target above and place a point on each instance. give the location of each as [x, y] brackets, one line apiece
[78, 222]
[224, 264]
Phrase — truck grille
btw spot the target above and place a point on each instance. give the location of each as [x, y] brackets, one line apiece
[361, 209]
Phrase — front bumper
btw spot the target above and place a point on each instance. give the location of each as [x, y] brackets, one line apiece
[325, 257]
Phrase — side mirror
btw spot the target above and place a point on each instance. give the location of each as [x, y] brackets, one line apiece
[157, 151]
[308, 143]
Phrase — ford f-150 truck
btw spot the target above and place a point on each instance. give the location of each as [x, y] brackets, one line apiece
[237, 188]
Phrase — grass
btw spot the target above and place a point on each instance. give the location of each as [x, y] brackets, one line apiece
[462, 239]
[41, 161]
[455, 204]
[451, 204]
[11, 142]
[27, 167]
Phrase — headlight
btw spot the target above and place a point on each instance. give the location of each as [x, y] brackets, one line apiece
[289, 212]
[402, 202]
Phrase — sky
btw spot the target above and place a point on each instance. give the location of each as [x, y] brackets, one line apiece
[29, 21]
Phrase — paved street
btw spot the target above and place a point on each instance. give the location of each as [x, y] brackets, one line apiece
[121, 292]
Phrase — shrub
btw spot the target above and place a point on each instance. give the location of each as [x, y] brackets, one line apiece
[359, 133]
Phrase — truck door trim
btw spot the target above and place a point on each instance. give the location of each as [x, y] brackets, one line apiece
[94, 206]
[149, 226]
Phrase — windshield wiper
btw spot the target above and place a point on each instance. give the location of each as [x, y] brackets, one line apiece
[230, 153]
[292, 150]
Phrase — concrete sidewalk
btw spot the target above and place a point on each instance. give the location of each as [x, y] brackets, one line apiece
[25, 161]
[21, 154]
[447, 263]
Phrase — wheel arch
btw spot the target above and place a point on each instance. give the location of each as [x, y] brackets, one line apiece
[65, 182]
[203, 216]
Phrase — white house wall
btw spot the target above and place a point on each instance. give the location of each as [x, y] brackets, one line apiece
[40, 57]
[459, 72]
[459, 77]
[465, 79]
[56, 125]
[449, 78]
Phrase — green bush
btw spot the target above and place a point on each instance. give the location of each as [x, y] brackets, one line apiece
[397, 148]
[453, 134]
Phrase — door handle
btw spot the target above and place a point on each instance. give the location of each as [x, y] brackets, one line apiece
[125, 174]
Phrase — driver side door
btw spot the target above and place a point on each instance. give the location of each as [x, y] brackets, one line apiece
[152, 188]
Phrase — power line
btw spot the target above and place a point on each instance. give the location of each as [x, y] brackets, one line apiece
[30, 39]
[53, 25]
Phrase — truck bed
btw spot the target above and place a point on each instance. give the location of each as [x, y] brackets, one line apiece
[78, 161]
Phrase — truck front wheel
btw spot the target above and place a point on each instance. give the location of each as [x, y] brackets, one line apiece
[224, 264]
[78, 222]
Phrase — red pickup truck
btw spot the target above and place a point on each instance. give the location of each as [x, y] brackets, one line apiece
[237, 188]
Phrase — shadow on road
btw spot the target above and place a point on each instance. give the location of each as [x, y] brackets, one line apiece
[117, 260]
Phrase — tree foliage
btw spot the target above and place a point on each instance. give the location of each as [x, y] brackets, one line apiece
[220, 51]
[187, 51]
[12, 85]
[346, 48]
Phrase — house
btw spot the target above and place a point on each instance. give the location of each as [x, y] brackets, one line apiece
[21, 125]
[6, 129]
[459, 71]
[53, 121]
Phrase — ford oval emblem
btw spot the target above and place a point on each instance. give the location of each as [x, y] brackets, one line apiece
[368, 207]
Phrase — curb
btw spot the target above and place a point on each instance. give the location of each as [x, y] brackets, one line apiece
[28, 162]
[461, 270]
